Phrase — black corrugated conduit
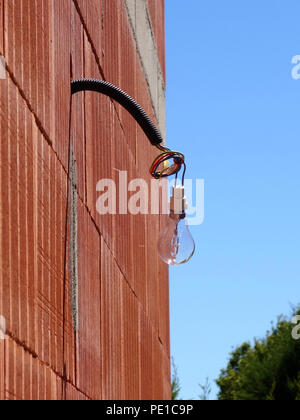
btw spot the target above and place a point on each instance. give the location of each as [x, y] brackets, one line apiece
[123, 99]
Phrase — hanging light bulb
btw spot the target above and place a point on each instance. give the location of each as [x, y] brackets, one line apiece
[176, 245]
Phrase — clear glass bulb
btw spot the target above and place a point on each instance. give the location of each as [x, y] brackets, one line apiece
[176, 245]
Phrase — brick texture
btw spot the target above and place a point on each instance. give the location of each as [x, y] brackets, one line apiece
[120, 347]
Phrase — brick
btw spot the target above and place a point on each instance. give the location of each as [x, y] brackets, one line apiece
[54, 331]
[28, 30]
[78, 139]
[72, 394]
[100, 118]
[130, 320]
[140, 258]
[128, 59]
[121, 348]
[146, 343]
[157, 381]
[112, 328]
[166, 372]
[33, 219]
[153, 289]
[60, 76]
[111, 11]
[88, 337]
[123, 223]
[163, 306]
[34, 54]
[28, 378]
[2, 370]
[91, 14]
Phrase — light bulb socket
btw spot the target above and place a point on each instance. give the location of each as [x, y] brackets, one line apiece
[178, 203]
[180, 216]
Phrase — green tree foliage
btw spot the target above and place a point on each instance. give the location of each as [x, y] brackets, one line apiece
[268, 370]
[205, 391]
[175, 386]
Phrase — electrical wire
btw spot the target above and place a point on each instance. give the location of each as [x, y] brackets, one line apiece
[161, 167]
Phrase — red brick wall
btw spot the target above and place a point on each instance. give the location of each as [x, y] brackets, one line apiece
[121, 347]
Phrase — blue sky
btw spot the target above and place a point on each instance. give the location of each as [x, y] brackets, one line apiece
[234, 109]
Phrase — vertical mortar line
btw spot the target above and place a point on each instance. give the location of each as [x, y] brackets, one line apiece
[73, 246]
[75, 335]
[73, 249]
[71, 222]
[65, 257]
